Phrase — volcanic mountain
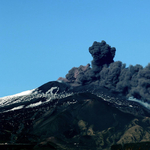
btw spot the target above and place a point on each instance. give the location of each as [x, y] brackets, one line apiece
[92, 108]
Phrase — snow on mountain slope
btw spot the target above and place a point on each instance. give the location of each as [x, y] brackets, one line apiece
[52, 91]
[20, 94]
[32, 98]
[13, 98]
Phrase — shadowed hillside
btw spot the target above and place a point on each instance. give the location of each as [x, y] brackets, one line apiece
[80, 121]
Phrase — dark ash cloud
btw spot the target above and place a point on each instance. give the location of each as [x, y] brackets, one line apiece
[114, 76]
[102, 54]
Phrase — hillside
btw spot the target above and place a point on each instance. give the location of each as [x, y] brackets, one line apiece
[79, 121]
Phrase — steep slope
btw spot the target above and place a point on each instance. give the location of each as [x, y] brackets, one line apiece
[78, 121]
[32, 98]
[91, 123]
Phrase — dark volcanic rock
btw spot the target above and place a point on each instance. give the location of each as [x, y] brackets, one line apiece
[79, 121]
[62, 86]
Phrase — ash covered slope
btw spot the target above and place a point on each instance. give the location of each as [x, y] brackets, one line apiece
[79, 121]
[54, 91]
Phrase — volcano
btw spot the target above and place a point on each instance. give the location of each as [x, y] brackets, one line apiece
[91, 108]
[59, 116]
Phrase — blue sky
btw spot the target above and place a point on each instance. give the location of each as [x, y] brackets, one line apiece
[41, 40]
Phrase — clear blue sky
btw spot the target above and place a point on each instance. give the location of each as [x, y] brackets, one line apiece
[41, 40]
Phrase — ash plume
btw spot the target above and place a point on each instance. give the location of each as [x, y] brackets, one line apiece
[102, 54]
[114, 76]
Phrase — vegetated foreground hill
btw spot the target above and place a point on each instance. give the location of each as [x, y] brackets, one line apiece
[79, 121]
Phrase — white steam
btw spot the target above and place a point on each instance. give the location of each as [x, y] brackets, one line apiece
[145, 104]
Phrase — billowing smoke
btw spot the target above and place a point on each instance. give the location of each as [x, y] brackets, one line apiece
[102, 54]
[115, 76]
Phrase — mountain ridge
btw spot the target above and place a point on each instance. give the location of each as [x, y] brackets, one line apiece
[91, 108]
[80, 119]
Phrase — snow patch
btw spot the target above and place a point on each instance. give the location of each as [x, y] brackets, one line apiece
[50, 91]
[12, 98]
[19, 94]
[34, 104]
[15, 108]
